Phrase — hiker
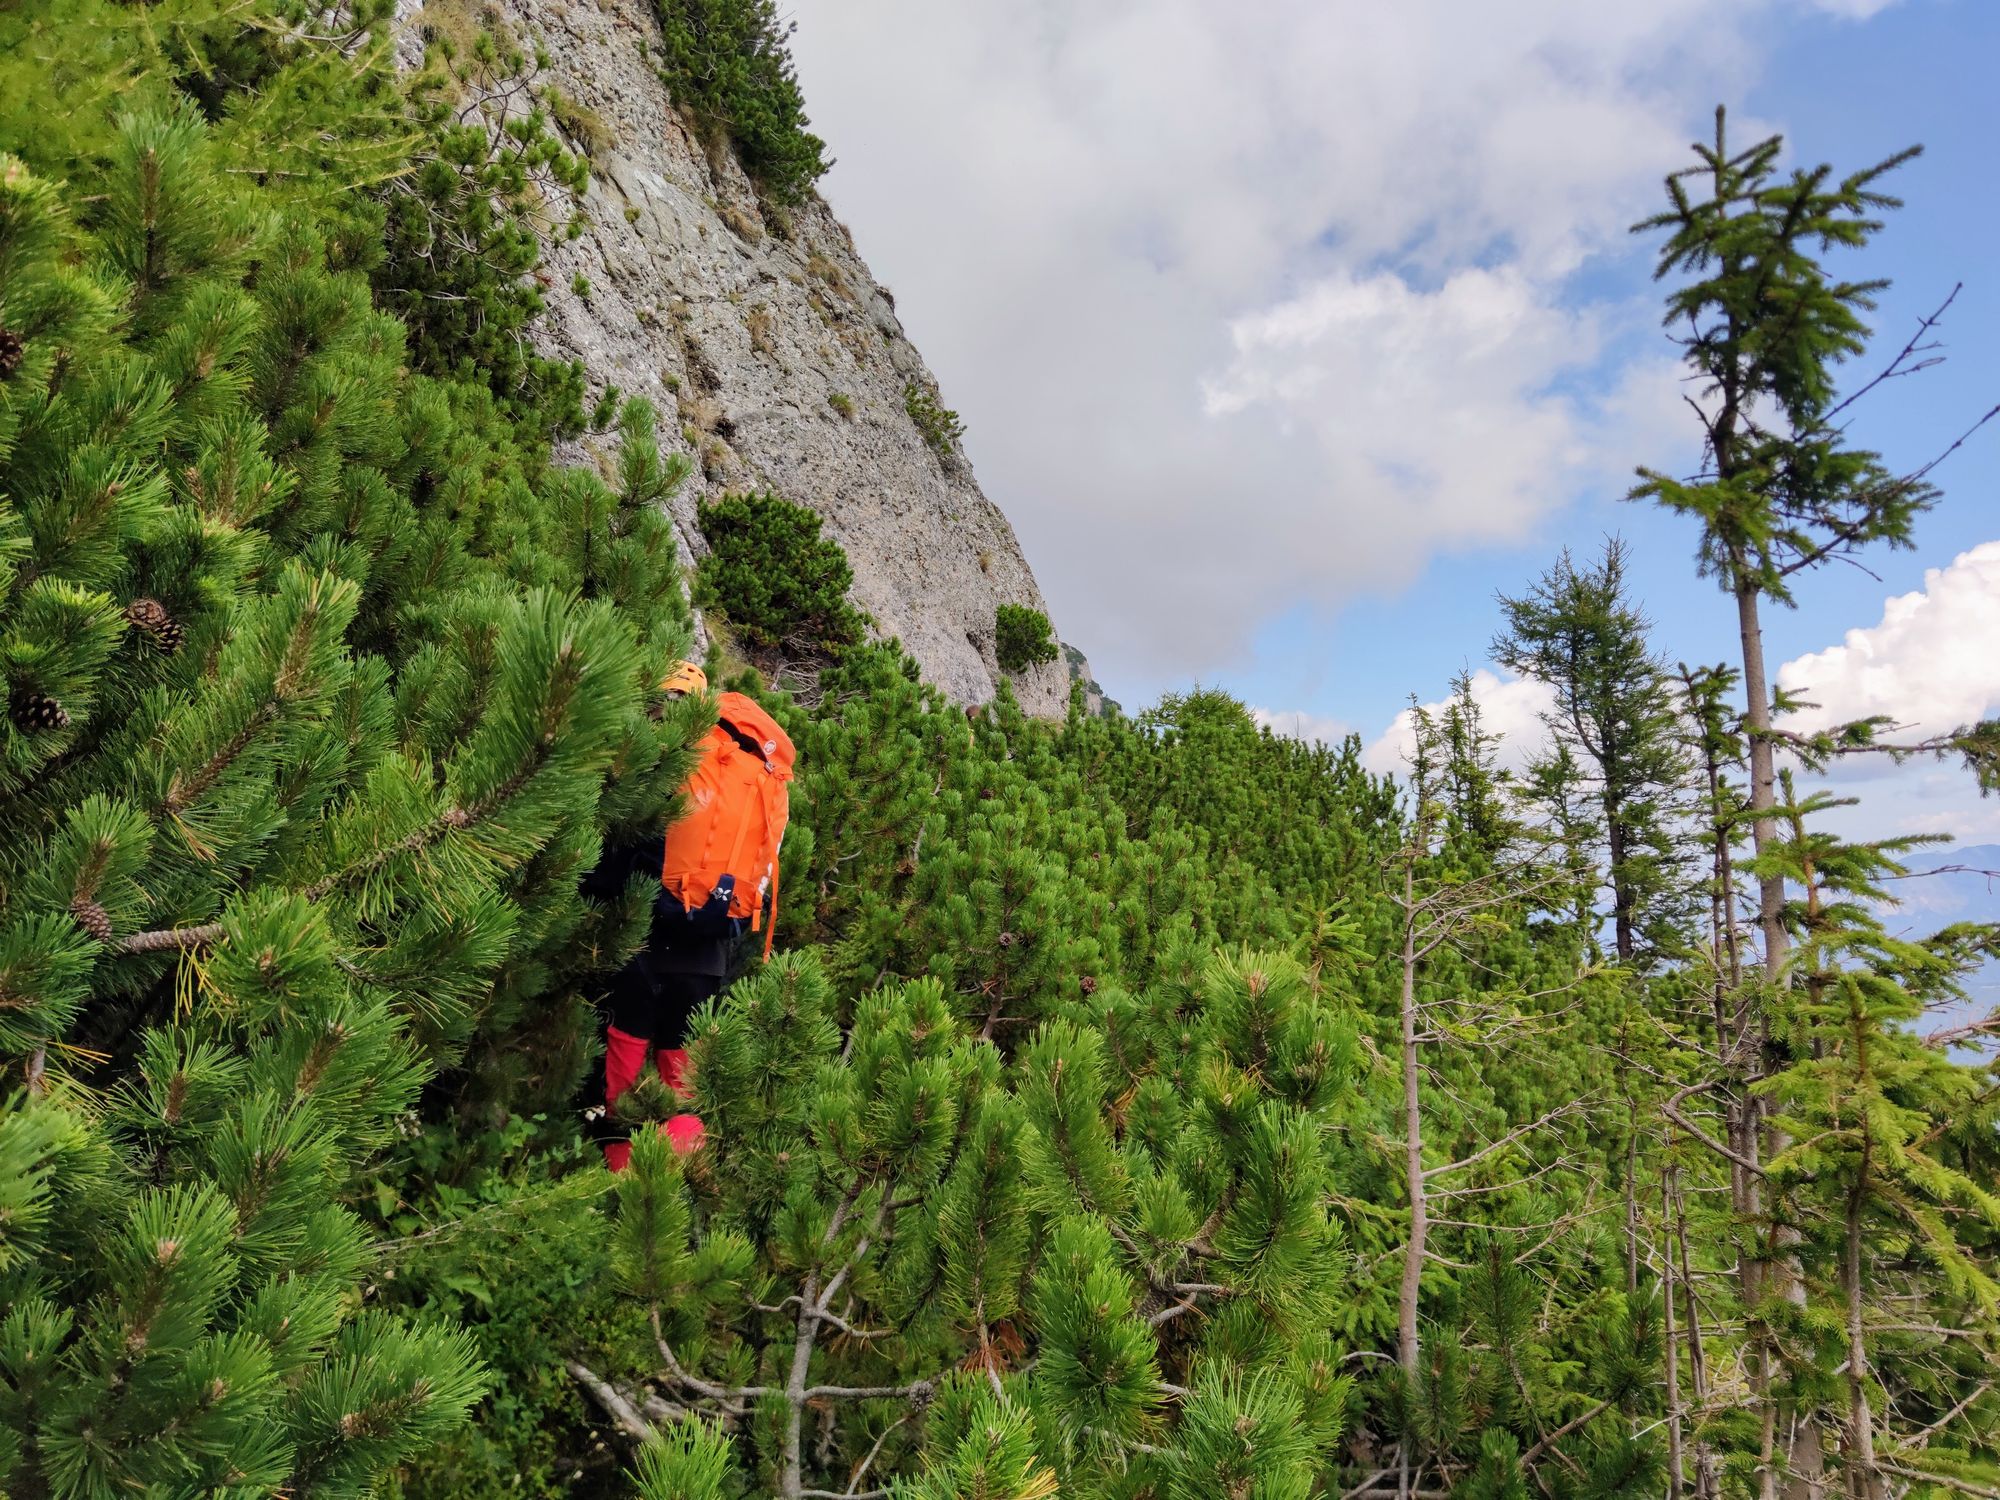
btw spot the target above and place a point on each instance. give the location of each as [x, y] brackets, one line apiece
[715, 866]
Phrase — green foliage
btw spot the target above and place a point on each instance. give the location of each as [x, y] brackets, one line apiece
[1764, 325]
[690, 1461]
[936, 424]
[517, 1254]
[307, 743]
[1063, 1147]
[1021, 637]
[879, 1213]
[728, 65]
[463, 228]
[781, 584]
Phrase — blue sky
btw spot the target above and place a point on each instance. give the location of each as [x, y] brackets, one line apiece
[1288, 332]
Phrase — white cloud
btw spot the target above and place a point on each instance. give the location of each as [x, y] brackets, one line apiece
[1313, 729]
[1932, 663]
[1510, 707]
[1255, 305]
[1441, 407]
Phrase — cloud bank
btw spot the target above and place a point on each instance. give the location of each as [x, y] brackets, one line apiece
[1270, 303]
[1931, 664]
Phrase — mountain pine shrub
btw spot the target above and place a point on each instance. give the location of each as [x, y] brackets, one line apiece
[463, 228]
[322, 687]
[1021, 637]
[1130, 1244]
[728, 65]
[779, 582]
[936, 423]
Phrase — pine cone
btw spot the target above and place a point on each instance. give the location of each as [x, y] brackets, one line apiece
[93, 919]
[11, 352]
[33, 711]
[1089, 983]
[151, 617]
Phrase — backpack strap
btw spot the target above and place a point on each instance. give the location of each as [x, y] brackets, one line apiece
[771, 932]
[772, 786]
[736, 848]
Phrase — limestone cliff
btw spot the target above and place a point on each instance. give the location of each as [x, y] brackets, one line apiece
[775, 358]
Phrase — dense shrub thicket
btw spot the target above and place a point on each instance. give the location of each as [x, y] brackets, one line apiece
[727, 65]
[779, 583]
[1135, 1107]
[1021, 637]
[321, 687]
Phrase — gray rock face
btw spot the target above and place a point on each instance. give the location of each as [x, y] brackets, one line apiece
[775, 359]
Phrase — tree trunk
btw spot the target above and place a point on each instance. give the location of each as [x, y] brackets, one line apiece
[1706, 1486]
[1804, 1453]
[1763, 774]
[1864, 1479]
[1623, 900]
[792, 1480]
[1413, 1138]
[1676, 1460]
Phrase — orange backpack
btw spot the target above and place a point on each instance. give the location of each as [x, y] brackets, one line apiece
[726, 843]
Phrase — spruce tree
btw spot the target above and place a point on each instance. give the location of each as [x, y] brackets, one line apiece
[1577, 632]
[1890, 1140]
[1765, 329]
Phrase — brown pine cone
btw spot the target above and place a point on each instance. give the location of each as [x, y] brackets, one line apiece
[11, 352]
[1089, 983]
[34, 711]
[93, 919]
[151, 617]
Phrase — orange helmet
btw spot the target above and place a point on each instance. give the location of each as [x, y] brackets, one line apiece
[685, 678]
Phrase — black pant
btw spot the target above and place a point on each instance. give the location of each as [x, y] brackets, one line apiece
[658, 1006]
[651, 1003]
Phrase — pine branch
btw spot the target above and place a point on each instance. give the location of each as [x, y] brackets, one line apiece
[825, 1316]
[1513, 1135]
[181, 795]
[1896, 369]
[876, 1392]
[167, 938]
[860, 1470]
[1168, 1314]
[615, 1405]
[1951, 1035]
[1671, 1109]
[319, 890]
[1951, 1416]
[729, 1396]
[1564, 1431]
